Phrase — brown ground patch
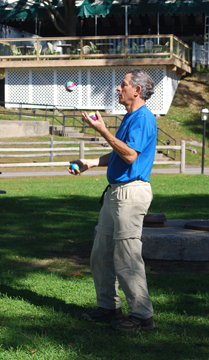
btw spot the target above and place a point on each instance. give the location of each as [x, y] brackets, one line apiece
[191, 93]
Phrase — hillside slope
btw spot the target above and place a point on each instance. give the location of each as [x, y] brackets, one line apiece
[183, 119]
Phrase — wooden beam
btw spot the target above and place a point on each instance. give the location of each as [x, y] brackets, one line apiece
[5, 43]
[181, 72]
[59, 63]
[171, 67]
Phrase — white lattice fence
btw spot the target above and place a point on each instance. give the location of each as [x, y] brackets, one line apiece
[95, 88]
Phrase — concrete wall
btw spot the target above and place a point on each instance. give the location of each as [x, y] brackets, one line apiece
[10, 128]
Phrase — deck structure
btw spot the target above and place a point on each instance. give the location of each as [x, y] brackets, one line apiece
[36, 70]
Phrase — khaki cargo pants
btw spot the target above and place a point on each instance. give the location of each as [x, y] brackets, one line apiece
[117, 251]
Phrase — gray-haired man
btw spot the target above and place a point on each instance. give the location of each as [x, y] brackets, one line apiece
[116, 256]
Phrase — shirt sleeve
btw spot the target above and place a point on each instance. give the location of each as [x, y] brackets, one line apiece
[136, 137]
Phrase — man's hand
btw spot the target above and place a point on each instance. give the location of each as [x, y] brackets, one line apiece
[98, 124]
[83, 166]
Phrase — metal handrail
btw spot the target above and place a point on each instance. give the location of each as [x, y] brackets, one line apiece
[77, 123]
[81, 124]
[167, 143]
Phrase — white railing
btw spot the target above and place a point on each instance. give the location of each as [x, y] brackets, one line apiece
[80, 150]
[182, 149]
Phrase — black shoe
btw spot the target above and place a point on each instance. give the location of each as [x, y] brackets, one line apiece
[102, 314]
[133, 323]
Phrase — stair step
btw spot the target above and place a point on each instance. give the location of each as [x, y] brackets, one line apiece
[71, 132]
[76, 135]
[161, 157]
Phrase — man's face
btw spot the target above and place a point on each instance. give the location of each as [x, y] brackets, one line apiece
[126, 91]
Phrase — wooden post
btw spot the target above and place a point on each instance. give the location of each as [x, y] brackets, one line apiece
[20, 112]
[51, 147]
[63, 126]
[178, 48]
[81, 154]
[182, 166]
[126, 46]
[81, 46]
[188, 55]
[183, 54]
[171, 46]
[38, 47]
[46, 113]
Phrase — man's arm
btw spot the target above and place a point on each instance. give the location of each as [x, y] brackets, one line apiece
[85, 164]
[128, 154]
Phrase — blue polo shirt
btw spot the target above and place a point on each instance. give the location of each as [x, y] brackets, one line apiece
[139, 131]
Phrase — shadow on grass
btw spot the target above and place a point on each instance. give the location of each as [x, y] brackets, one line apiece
[39, 300]
[195, 125]
[181, 206]
[181, 306]
[46, 228]
[99, 342]
[36, 229]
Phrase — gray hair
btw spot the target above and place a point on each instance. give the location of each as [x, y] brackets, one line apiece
[140, 77]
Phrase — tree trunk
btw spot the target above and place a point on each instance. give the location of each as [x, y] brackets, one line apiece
[70, 18]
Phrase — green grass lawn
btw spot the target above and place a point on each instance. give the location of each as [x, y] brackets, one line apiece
[47, 227]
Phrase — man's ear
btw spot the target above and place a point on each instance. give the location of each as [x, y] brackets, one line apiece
[138, 90]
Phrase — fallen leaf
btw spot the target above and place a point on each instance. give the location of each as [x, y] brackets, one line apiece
[33, 351]
[78, 273]
[71, 240]
[74, 274]
[96, 179]
[71, 345]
